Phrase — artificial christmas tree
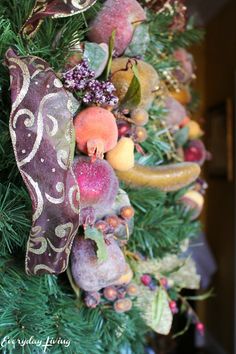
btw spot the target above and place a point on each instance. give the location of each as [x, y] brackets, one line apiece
[99, 115]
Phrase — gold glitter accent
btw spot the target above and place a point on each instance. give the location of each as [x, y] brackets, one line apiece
[60, 230]
[62, 155]
[29, 122]
[43, 267]
[39, 200]
[39, 134]
[61, 189]
[54, 129]
[77, 196]
[25, 85]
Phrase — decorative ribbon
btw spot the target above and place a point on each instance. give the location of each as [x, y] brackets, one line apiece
[54, 9]
[41, 130]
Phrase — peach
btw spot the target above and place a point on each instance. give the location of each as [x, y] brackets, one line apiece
[118, 15]
[95, 131]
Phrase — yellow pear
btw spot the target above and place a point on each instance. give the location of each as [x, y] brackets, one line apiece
[122, 75]
[195, 130]
[121, 157]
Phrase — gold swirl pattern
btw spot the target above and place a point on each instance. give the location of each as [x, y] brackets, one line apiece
[54, 9]
[25, 84]
[29, 122]
[57, 83]
[78, 4]
[62, 155]
[37, 113]
[43, 267]
[60, 189]
[39, 201]
[58, 249]
[39, 135]
[35, 230]
[34, 241]
[60, 230]
[54, 129]
[77, 198]
[38, 71]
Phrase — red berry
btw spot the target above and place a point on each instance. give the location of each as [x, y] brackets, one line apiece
[164, 282]
[200, 327]
[195, 152]
[172, 305]
[146, 279]
[123, 129]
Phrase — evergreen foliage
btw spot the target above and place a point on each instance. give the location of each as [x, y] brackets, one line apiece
[45, 306]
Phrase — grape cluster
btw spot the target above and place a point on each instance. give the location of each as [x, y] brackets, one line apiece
[81, 78]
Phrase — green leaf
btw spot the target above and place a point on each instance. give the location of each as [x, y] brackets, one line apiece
[157, 307]
[111, 48]
[201, 297]
[133, 95]
[94, 234]
[140, 41]
[162, 317]
[97, 56]
[181, 136]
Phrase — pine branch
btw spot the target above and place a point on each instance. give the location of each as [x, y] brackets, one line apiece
[14, 218]
[161, 223]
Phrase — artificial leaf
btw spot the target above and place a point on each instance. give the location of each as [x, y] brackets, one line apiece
[181, 136]
[156, 311]
[97, 55]
[133, 95]
[140, 41]
[111, 48]
[201, 297]
[162, 317]
[94, 234]
[157, 307]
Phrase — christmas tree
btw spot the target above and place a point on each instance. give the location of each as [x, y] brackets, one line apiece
[100, 188]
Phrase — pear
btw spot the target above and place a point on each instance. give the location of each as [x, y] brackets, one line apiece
[121, 157]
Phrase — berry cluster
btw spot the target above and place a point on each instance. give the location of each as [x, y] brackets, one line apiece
[153, 284]
[81, 78]
[119, 296]
[116, 224]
